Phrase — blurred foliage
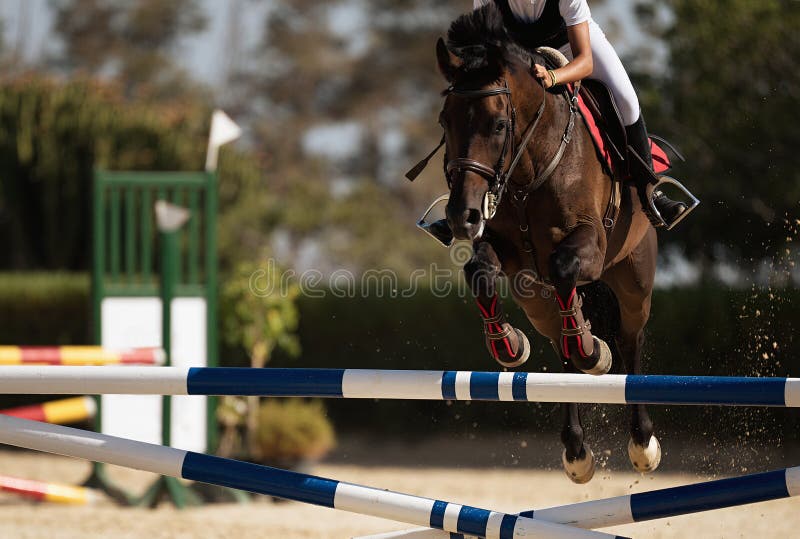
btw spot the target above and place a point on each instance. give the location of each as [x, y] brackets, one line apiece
[728, 97]
[257, 314]
[53, 135]
[375, 67]
[249, 209]
[288, 432]
[292, 431]
[45, 308]
[131, 41]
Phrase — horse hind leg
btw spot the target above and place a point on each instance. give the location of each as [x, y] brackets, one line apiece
[508, 345]
[577, 458]
[644, 449]
[632, 283]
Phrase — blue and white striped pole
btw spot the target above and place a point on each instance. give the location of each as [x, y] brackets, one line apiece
[663, 503]
[281, 483]
[389, 384]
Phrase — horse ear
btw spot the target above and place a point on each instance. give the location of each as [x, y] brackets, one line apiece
[448, 62]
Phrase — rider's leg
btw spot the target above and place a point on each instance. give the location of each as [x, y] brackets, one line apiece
[640, 142]
[608, 69]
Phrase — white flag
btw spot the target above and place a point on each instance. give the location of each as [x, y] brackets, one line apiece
[223, 131]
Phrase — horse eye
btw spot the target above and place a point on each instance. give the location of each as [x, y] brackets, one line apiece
[500, 126]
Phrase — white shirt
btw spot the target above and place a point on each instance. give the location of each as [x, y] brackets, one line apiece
[572, 11]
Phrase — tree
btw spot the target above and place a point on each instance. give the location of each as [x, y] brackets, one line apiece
[377, 70]
[727, 97]
[129, 40]
[260, 317]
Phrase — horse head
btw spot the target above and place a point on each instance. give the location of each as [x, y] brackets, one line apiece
[483, 126]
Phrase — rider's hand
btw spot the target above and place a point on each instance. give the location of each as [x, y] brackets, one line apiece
[540, 72]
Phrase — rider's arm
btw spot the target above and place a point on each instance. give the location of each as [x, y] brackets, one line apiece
[580, 67]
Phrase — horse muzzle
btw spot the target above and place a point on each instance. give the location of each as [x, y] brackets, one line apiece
[466, 224]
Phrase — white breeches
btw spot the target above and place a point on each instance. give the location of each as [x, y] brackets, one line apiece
[609, 69]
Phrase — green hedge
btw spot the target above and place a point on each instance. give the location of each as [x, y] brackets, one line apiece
[702, 331]
[45, 308]
[52, 136]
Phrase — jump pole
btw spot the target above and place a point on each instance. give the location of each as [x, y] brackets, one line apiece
[44, 491]
[60, 412]
[405, 385]
[662, 503]
[281, 483]
[79, 355]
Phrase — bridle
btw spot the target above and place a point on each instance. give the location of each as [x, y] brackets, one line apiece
[498, 176]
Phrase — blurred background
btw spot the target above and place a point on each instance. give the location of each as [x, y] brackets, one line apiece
[337, 99]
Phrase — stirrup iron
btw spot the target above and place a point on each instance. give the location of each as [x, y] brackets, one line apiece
[438, 230]
[653, 214]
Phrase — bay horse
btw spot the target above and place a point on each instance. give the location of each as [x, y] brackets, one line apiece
[528, 188]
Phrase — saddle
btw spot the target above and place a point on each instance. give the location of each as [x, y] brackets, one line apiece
[604, 122]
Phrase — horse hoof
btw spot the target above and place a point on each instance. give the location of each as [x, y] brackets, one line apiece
[645, 459]
[523, 352]
[604, 360]
[579, 471]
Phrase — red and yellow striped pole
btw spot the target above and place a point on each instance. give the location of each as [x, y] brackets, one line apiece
[47, 492]
[79, 355]
[60, 412]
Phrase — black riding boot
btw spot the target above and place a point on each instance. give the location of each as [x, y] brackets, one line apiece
[640, 142]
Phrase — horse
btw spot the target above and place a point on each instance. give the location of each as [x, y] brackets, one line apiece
[528, 189]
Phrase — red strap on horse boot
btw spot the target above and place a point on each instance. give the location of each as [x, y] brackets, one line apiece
[574, 325]
[576, 336]
[499, 336]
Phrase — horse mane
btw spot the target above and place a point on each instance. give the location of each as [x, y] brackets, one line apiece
[484, 44]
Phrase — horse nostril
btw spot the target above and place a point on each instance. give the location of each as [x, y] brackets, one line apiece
[473, 216]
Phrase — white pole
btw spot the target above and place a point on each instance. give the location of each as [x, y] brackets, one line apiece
[405, 385]
[290, 485]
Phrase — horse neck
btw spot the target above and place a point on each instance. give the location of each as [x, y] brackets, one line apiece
[579, 176]
[546, 137]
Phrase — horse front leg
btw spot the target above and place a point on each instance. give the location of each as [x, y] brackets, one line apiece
[577, 458]
[507, 345]
[578, 258]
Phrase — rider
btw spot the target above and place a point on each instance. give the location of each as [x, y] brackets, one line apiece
[567, 25]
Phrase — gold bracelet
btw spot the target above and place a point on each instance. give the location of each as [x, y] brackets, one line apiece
[553, 79]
